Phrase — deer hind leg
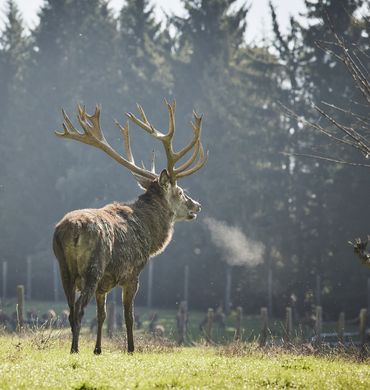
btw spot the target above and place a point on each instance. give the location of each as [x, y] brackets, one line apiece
[129, 292]
[69, 290]
[101, 314]
[90, 283]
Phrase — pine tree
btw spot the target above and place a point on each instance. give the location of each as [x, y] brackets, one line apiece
[13, 55]
[13, 46]
[146, 75]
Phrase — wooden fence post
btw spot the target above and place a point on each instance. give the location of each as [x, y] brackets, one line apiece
[363, 331]
[4, 279]
[318, 324]
[111, 318]
[264, 328]
[182, 320]
[341, 326]
[318, 291]
[186, 283]
[368, 298]
[228, 285]
[239, 318]
[20, 307]
[269, 291]
[29, 278]
[288, 324]
[209, 325]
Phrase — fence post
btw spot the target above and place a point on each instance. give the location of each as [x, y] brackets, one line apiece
[368, 297]
[209, 325]
[269, 291]
[318, 291]
[29, 278]
[318, 324]
[288, 324]
[363, 330]
[228, 289]
[4, 278]
[264, 329]
[111, 318]
[20, 307]
[186, 283]
[239, 318]
[341, 325]
[182, 319]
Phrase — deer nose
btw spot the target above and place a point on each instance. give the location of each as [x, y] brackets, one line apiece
[197, 207]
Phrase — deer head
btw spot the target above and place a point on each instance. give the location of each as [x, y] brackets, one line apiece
[180, 204]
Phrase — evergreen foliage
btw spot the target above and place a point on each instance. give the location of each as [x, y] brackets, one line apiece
[303, 211]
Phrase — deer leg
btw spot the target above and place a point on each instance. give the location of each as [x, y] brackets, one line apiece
[71, 298]
[69, 290]
[129, 292]
[91, 282]
[101, 314]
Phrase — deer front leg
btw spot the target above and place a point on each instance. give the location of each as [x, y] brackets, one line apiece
[129, 292]
[101, 315]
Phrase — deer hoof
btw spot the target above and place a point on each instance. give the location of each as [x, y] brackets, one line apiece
[97, 351]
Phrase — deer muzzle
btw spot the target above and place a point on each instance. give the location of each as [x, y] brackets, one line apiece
[194, 208]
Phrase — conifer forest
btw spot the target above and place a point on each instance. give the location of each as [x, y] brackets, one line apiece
[286, 122]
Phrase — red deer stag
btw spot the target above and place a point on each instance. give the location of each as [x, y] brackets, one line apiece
[98, 249]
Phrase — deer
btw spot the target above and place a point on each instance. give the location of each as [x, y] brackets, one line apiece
[99, 249]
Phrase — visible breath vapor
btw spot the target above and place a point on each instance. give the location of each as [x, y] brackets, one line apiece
[237, 248]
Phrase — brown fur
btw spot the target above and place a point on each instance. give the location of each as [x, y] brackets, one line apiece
[98, 249]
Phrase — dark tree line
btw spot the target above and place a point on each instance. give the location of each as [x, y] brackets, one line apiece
[303, 210]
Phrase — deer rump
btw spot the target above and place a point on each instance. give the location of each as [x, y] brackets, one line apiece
[88, 242]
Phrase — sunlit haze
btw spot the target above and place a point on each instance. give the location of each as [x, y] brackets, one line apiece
[258, 17]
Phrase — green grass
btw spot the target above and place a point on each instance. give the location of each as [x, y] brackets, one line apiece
[251, 324]
[42, 361]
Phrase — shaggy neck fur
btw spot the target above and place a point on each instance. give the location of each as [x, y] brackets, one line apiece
[157, 220]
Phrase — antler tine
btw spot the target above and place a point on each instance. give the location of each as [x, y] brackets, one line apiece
[91, 123]
[200, 163]
[152, 165]
[142, 113]
[144, 123]
[67, 126]
[197, 129]
[94, 119]
[126, 140]
[171, 119]
[192, 158]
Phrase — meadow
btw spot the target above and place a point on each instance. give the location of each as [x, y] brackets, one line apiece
[41, 360]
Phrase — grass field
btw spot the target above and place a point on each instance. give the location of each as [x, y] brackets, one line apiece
[42, 361]
[251, 324]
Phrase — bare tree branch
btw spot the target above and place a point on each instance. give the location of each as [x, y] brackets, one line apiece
[328, 159]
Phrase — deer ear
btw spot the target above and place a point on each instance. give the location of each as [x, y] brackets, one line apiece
[143, 182]
[164, 179]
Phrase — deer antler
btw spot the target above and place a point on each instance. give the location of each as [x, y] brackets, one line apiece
[166, 139]
[93, 135]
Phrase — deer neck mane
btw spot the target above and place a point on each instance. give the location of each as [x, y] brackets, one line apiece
[156, 218]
